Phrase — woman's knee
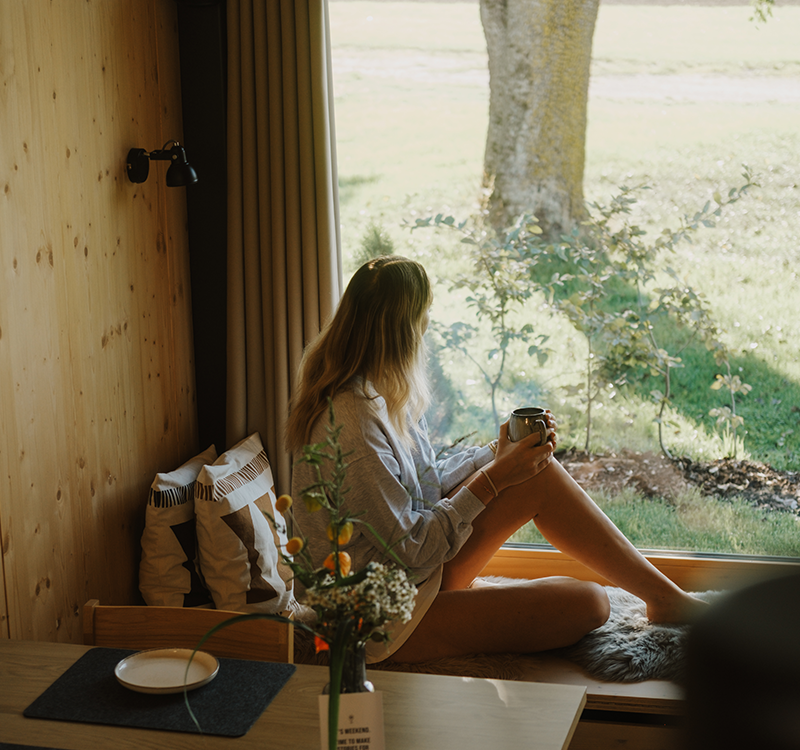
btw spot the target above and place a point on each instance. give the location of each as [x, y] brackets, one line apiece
[584, 603]
[588, 601]
[567, 609]
[594, 603]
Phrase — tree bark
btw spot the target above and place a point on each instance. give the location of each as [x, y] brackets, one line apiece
[539, 57]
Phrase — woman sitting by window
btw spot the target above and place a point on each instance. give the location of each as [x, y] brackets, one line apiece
[450, 517]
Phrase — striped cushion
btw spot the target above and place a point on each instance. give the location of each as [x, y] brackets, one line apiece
[238, 546]
[169, 575]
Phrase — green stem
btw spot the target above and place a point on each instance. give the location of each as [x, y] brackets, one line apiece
[733, 408]
[337, 649]
[588, 393]
[664, 402]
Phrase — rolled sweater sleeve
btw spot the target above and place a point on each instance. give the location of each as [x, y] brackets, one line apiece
[455, 469]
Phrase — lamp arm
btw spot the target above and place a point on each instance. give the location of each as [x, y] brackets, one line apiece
[168, 154]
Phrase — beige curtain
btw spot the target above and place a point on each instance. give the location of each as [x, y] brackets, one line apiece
[284, 269]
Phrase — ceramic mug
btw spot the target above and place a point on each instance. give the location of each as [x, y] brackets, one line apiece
[526, 420]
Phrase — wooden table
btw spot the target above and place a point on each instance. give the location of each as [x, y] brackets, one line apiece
[421, 712]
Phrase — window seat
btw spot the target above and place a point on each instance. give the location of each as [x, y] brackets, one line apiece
[650, 696]
[634, 715]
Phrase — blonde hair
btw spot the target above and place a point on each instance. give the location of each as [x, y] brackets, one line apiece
[377, 335]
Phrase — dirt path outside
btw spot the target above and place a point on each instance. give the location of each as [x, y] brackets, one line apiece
[654, 475]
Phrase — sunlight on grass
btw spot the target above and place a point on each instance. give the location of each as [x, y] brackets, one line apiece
[434, 27]
[669, 39]
[626, 133]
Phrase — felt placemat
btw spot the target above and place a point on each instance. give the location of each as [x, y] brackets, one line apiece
[229, 705]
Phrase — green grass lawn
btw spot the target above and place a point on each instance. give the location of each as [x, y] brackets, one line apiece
[411, 109]
[693, 522]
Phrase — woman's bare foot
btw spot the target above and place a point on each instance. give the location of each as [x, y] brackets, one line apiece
[678, 610]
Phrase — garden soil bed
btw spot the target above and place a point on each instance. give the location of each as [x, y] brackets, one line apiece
[654, 475]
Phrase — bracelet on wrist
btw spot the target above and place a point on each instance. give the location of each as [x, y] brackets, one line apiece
[491, 483]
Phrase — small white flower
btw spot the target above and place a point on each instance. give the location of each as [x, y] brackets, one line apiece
[384, 595]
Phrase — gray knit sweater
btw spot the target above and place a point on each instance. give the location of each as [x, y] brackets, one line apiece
[400, 491]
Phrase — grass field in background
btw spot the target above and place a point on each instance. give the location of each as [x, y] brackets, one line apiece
[694, 522]
[676, 102]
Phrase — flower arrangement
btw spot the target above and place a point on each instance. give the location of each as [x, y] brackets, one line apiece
[351, 607]
[383, 595]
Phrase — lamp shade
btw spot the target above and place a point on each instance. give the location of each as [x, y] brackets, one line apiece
[180, 174]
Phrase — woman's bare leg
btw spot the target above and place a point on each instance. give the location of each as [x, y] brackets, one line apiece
[571, 521]
[523, 617]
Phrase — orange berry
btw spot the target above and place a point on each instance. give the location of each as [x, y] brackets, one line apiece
[312, 503]
[344, 563]
[345, 532]
[294, 545]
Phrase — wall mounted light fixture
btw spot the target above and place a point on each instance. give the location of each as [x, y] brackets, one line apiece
[180, 172]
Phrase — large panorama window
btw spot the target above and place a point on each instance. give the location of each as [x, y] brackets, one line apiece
[680, 98]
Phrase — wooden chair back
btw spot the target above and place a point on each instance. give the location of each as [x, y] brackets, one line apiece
[141, 627]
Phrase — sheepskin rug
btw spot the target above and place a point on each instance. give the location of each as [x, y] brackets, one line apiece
[630, 648]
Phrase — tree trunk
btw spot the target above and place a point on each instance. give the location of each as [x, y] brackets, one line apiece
[539, 57]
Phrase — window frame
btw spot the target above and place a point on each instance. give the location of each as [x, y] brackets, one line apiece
[691, 571]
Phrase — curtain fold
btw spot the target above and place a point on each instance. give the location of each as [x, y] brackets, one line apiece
[284, 247]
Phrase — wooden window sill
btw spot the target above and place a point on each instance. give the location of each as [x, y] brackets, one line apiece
[692, 572]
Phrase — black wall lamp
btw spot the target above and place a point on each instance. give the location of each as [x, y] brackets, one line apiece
[180, 172]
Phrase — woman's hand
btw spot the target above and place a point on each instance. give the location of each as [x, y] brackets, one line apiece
[517, 462]
[552, 428]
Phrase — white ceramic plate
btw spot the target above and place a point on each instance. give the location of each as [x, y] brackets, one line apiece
[163, 670]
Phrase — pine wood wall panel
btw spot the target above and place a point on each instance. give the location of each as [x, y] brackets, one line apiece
[96, 367]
